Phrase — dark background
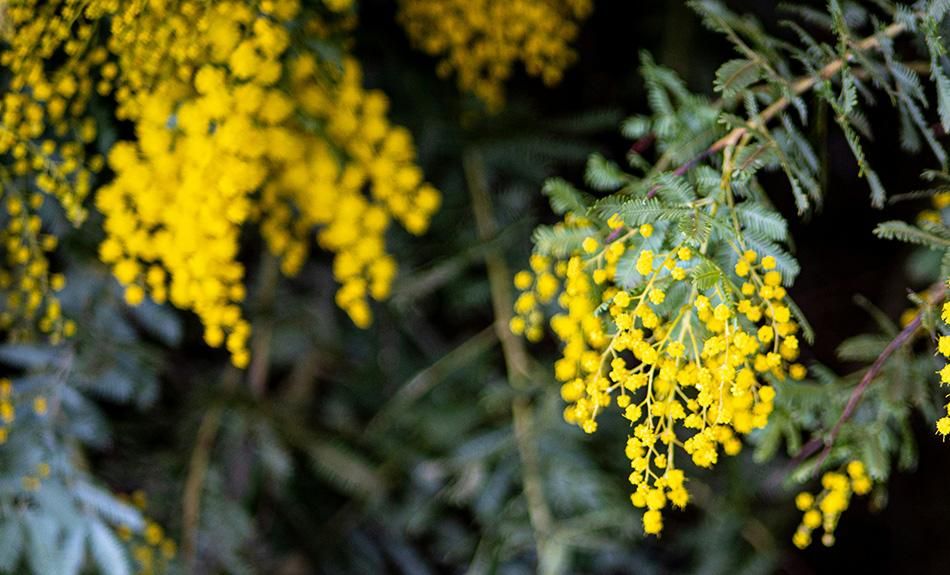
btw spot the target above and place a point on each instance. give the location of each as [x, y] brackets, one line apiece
[838, 253]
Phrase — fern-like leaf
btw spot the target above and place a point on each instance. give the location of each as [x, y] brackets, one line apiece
[604, 175]
[564, 197]
[898, 230]
[735, 76]
[762, 220]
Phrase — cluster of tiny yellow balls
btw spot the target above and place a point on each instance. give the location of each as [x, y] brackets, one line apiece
[152, 550]
[49, 54]
[8, 412]
[27, 284]
[825, 509]
[203, 107]
[44, 131]
[943, 348]
[7, 409]
[939, 201]
[314, 189]
[231, 127]
[482, 40]
[689, 378]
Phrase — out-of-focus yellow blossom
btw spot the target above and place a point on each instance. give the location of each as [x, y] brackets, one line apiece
[28, 287]
[7, 409]
[316, 190]
[229, 129]
[943, 348]
[481, 41]
[940, 202]
[50, 62]
[151, 548]
[825, 509]
[690, 379]
[48, 52]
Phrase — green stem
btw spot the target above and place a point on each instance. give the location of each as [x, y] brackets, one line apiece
[516, 357]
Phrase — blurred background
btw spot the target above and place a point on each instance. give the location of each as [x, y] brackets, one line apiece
[403, 448]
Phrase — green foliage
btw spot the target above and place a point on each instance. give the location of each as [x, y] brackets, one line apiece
[701, 189]
[396, 449]
[937, 236]
[564, 197]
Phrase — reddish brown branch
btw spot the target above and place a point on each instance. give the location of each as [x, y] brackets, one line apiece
[937, 294]
[799, 86]
[897, 343]
[683, 169]
[641, 145]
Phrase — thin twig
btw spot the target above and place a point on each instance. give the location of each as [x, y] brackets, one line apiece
[641, 145]
[516, 357]
[805, 84]
[799, 86]
[423, 381]
[198, 470]
[211, 421]
[264, 326]
[937, 294]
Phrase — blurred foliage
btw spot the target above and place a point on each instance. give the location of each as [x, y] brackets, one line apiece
[429, 443]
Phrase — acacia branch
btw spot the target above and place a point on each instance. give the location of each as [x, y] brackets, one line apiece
[903, 338]
[210, 424]
[800, 86]
[516, 357]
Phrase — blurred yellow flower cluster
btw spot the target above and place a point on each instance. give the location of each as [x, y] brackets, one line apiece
[481, 41]
[825, 509]
[29, 287]
[315, 189]
[151, 548]
[687, 372]
[940, 202]
[943, 348]
[50, 55]
[49, 60]
[230, 128]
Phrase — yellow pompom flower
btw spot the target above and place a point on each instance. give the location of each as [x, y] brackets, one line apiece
[689, 378]
[824, 509]
[481, 41]
[230, 129]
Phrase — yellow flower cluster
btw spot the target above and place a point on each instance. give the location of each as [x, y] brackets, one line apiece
[27, 284]
[482, 40]
[689, 377]
[44, 129]
[8, 415]
[315, 189]
[151, 549]
[33, 481]
[7, 409]
[30, 482]
[943, 348]
[48, 56]
[939, 201]
[182, 190]
[825, 509]
[229, 128]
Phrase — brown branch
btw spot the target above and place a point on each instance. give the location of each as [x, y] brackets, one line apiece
[211, 421]
[937, 294]
[799, 86]
[257, 373]
[640, 146]
[516, 357]
[803, 85]
[198, 470]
